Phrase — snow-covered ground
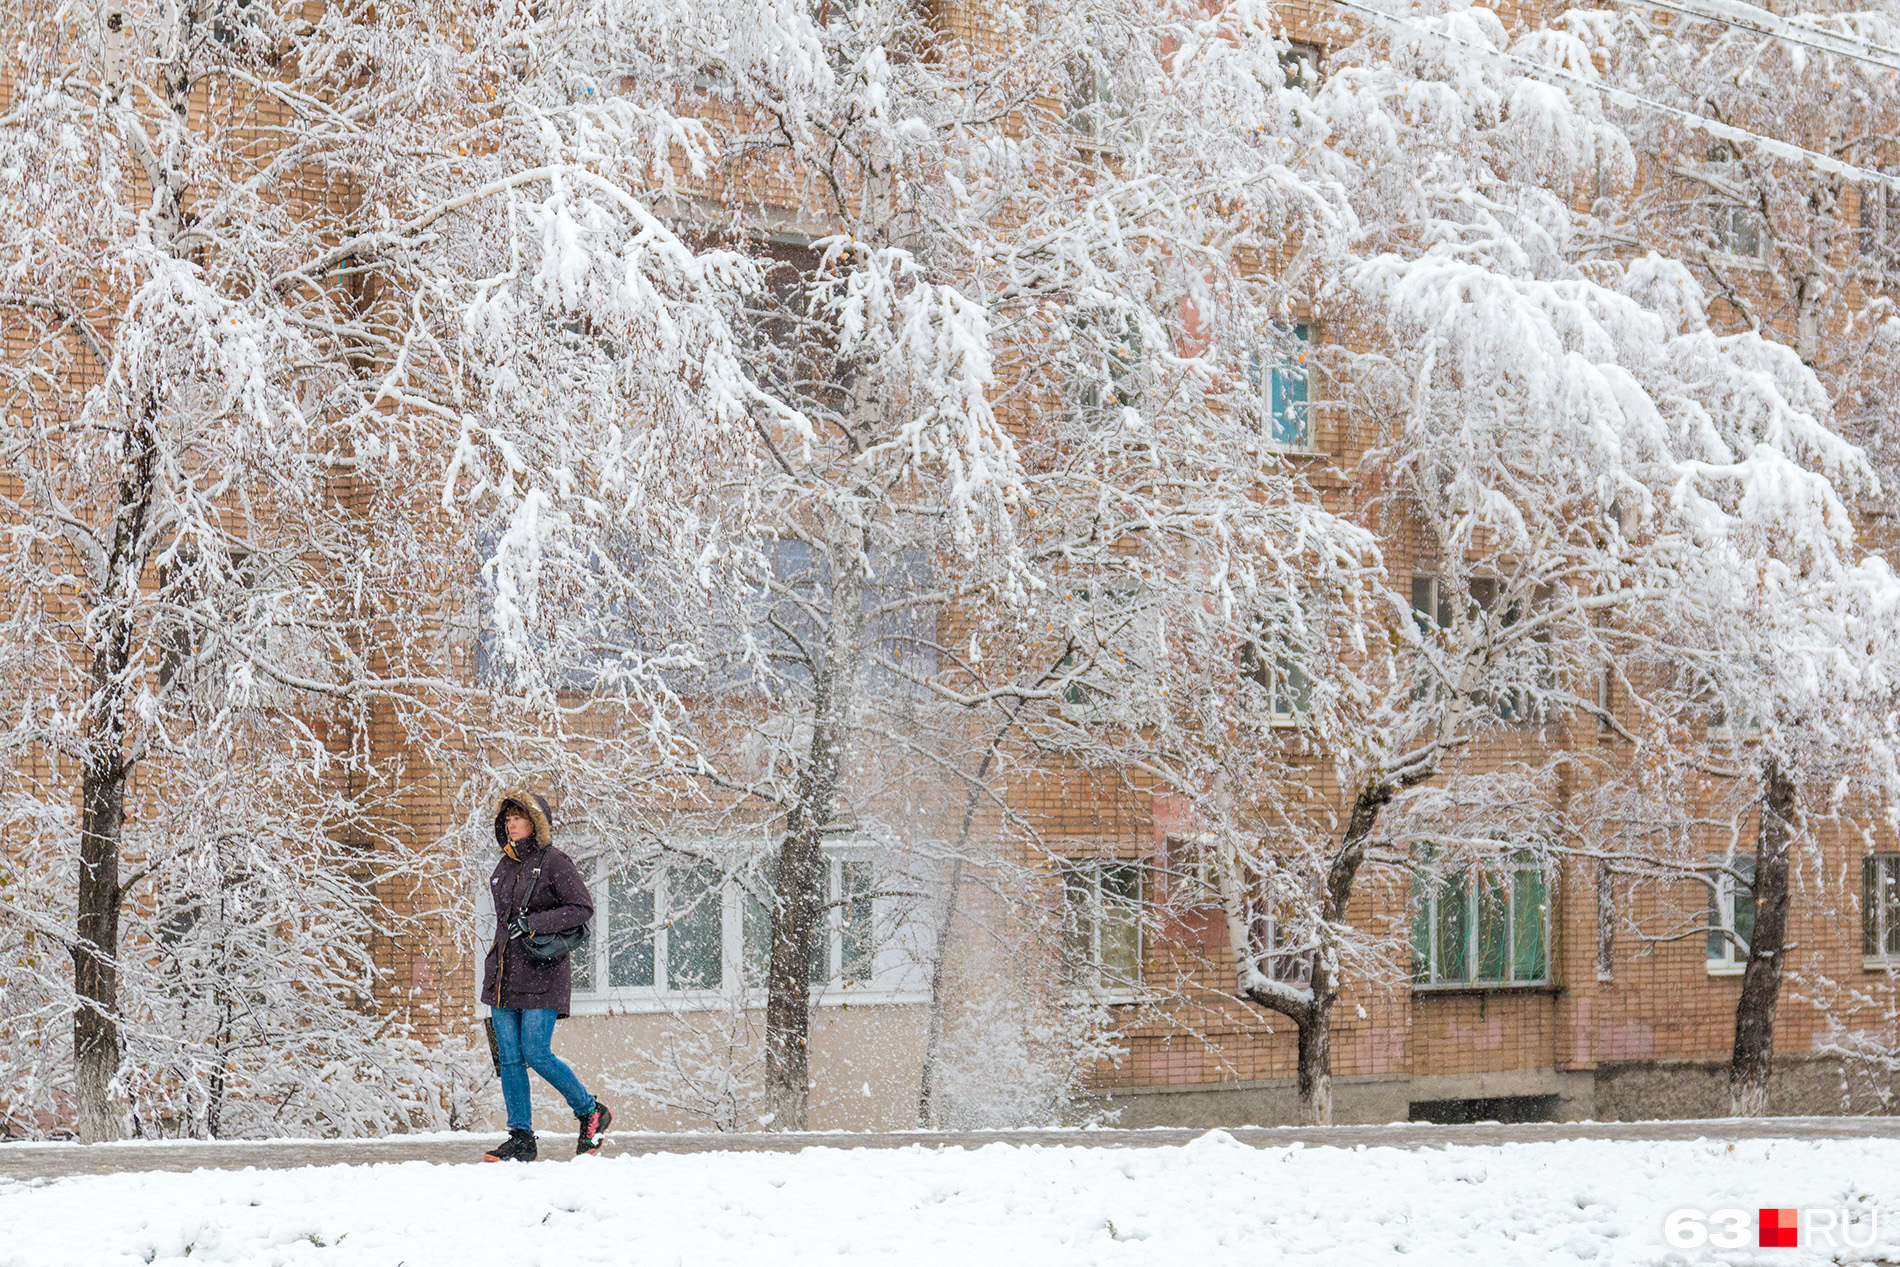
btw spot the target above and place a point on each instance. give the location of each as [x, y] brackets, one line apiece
[1215, 1201]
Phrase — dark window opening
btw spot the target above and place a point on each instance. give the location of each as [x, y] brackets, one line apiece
[1504, 1108]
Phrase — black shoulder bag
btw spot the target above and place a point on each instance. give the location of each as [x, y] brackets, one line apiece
[545, 947]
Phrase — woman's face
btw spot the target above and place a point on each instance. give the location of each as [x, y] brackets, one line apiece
[516, 824]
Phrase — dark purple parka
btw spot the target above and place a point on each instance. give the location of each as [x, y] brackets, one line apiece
[560, 902]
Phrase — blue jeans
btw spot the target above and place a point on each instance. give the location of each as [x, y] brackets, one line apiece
[522, 1036]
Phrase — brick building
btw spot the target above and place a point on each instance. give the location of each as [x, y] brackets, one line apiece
[1564, 1015]
[1546, 1015]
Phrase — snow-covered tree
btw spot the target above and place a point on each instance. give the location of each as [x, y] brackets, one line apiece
[1554, 441]
[1765, 142]
[266, 273]
[1760, 134]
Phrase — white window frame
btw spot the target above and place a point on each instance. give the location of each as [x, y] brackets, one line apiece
[1434, 976]
[1093, 111]
[1287, 705]
[1267, 365]
[1877, 224]
[1718, 725]
[655, 996]
[1123, 387]
[1880, 911]
[1280, 961]
[1733, 222]
[1088, 974]
[1303, 65]
[835, 914]
[893, 978]
[1133, 611]
[1723, 890]
[1439, 614]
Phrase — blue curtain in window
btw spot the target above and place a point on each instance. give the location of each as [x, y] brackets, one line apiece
[1287, 393]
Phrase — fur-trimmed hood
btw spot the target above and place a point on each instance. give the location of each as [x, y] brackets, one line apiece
[537, 811]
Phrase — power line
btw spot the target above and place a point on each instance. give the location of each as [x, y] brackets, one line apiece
[1724, 131]
[1745, 17]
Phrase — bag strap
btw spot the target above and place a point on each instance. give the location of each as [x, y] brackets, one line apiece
[534, 878]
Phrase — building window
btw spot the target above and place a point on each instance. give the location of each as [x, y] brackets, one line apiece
[1276, 670]
[1431, 608]
[1732, 916]
[1878, 236]
[845, 950]
[1736, 227]
[1092, 107]
[661, 929]
[1720, 720]
[844, 945]
[825, 12]
[1113, 629]
[1300, 63]
[1285, 959]
[1880, 906]
[1109, 350]
[682, 927]
[1281, 374]
[1101, 906]
[1486, 926]
[1738, 230]
[1520, 669]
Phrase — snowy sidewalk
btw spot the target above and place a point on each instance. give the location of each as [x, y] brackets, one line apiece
[30, 1161]
[1213, 1202]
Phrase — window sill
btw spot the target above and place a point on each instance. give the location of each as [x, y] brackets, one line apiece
[631, 1004]
[1492, 987]
[1121, 997]
[1880, 963]
[1735, 734]
[1753, 263]
[1717, 968]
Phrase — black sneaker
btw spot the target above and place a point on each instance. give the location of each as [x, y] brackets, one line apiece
[594, 1129]
[520, 1146]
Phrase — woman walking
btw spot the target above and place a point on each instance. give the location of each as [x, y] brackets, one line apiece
[537, 890]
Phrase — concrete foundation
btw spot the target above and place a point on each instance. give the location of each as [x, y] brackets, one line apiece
[1813, 1086]
[1268, 1102]
[1627, 1092]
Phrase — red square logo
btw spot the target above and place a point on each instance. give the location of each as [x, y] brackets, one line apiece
[1778, 1229]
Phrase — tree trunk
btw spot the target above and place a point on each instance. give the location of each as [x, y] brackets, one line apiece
[1316, 1034]
[103, 778]
[1315, 1019]
[799, 899]
[797, 908]
[1606, 921]
[1316, 1068]
[930, 1094]
[1752, 1059]
[95, 957]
